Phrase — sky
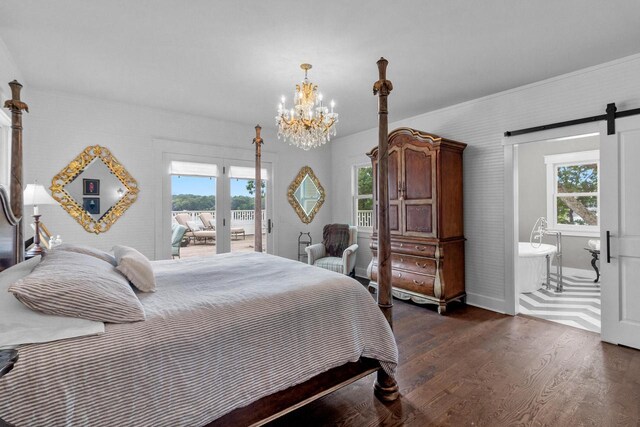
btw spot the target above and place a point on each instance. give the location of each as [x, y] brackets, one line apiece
[204, 186]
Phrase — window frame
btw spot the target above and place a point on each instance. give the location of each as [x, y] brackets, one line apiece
[553, 162]
[356, 197]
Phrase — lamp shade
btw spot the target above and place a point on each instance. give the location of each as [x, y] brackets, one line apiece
[35, 194]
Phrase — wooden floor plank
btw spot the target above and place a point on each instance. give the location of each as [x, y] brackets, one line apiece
[476, 367]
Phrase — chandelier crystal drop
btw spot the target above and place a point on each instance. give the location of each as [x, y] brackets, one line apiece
[309, 123]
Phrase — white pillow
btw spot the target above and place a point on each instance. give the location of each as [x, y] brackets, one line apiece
[21, 325]
[136, 267]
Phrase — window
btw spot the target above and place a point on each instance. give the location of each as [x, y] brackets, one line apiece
[573, 193]
[363, 196]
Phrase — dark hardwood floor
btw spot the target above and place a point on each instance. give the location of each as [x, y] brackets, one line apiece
[474, 367]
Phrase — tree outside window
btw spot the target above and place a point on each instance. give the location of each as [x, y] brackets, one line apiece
[364, 196]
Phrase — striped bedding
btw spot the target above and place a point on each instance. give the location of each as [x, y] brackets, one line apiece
[221, 332]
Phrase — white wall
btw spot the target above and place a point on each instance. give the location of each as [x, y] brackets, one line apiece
[60, 126]
[481, 123]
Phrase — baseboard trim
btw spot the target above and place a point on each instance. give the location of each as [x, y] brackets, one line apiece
[488, 303]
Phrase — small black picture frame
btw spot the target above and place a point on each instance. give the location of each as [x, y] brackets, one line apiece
[91, 205]
[90, 187]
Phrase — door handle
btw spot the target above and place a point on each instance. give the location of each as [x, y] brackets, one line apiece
[608, 247]
[269, 226]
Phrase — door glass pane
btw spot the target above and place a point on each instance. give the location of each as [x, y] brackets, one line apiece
[242, 226]
[194, 208]
[577, 210]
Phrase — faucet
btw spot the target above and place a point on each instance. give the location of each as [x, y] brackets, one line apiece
[539, 230]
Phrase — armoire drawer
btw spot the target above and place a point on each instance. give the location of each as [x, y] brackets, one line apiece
[410, 281]
[411, 248]
[413, 282]
[416, 264]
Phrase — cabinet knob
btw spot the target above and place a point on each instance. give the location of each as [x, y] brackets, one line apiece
[420, 248]
[421, 265]
[418, 283]
[401, 259]
[399, 275]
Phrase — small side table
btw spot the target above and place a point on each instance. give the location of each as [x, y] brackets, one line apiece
[303, 242]
[8, 358]
[595, 254]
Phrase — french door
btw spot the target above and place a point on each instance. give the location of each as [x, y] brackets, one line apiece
[239, 212]
[620, 232]
[226, 223]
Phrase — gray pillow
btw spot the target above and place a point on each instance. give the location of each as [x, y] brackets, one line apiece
[87, 250]
[136, 267]
[78, 285]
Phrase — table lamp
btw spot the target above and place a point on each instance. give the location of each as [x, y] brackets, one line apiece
[34, 195]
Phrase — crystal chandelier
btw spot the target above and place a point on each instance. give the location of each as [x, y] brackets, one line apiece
[309, 123]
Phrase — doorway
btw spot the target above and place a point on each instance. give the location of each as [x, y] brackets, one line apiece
[530, 176]
[619, 236]
[558, 235]
[212, 207]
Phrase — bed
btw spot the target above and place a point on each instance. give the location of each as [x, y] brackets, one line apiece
[228, 340]
[263, 324]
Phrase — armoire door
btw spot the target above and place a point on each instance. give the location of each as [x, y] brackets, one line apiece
[620, 232]
[395, 217]
[418, 191]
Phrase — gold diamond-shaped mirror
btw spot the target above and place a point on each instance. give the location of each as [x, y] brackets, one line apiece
[95, 189]
[306, 194]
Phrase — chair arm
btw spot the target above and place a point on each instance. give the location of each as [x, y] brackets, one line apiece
[315, 252]
[349, 258]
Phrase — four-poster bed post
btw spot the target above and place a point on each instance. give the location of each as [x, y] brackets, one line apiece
[258, 189]
[16, 106]
[386, 387]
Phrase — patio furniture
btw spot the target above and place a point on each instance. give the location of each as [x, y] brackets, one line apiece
[235, 231]
[317, 255]
[177, 234]
[193, 231]
[208, 221]
[209, 224]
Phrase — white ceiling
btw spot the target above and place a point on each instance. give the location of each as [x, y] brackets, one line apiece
[234, 59]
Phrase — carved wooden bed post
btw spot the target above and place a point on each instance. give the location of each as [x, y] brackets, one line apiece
[386, 387]
[258, 189]
[17, 206]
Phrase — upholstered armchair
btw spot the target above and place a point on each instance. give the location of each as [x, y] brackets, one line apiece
[317, 256]
[177, 233]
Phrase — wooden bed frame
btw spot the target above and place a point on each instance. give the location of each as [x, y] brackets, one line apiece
[285, 401]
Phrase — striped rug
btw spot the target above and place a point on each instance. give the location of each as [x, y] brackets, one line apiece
[577, 306]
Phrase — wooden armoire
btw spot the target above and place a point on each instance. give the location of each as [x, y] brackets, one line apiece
[425, 218]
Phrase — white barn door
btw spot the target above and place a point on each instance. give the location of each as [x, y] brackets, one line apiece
[620, 216]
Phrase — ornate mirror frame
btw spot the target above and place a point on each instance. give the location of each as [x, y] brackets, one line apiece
[76, 167]
[306, 170]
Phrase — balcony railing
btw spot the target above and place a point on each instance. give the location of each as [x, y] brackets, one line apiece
[239, 218]
[365, 218]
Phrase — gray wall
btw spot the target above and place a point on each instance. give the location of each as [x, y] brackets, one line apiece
[532, 203]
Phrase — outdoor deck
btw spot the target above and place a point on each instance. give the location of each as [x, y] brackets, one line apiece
[237, 245]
